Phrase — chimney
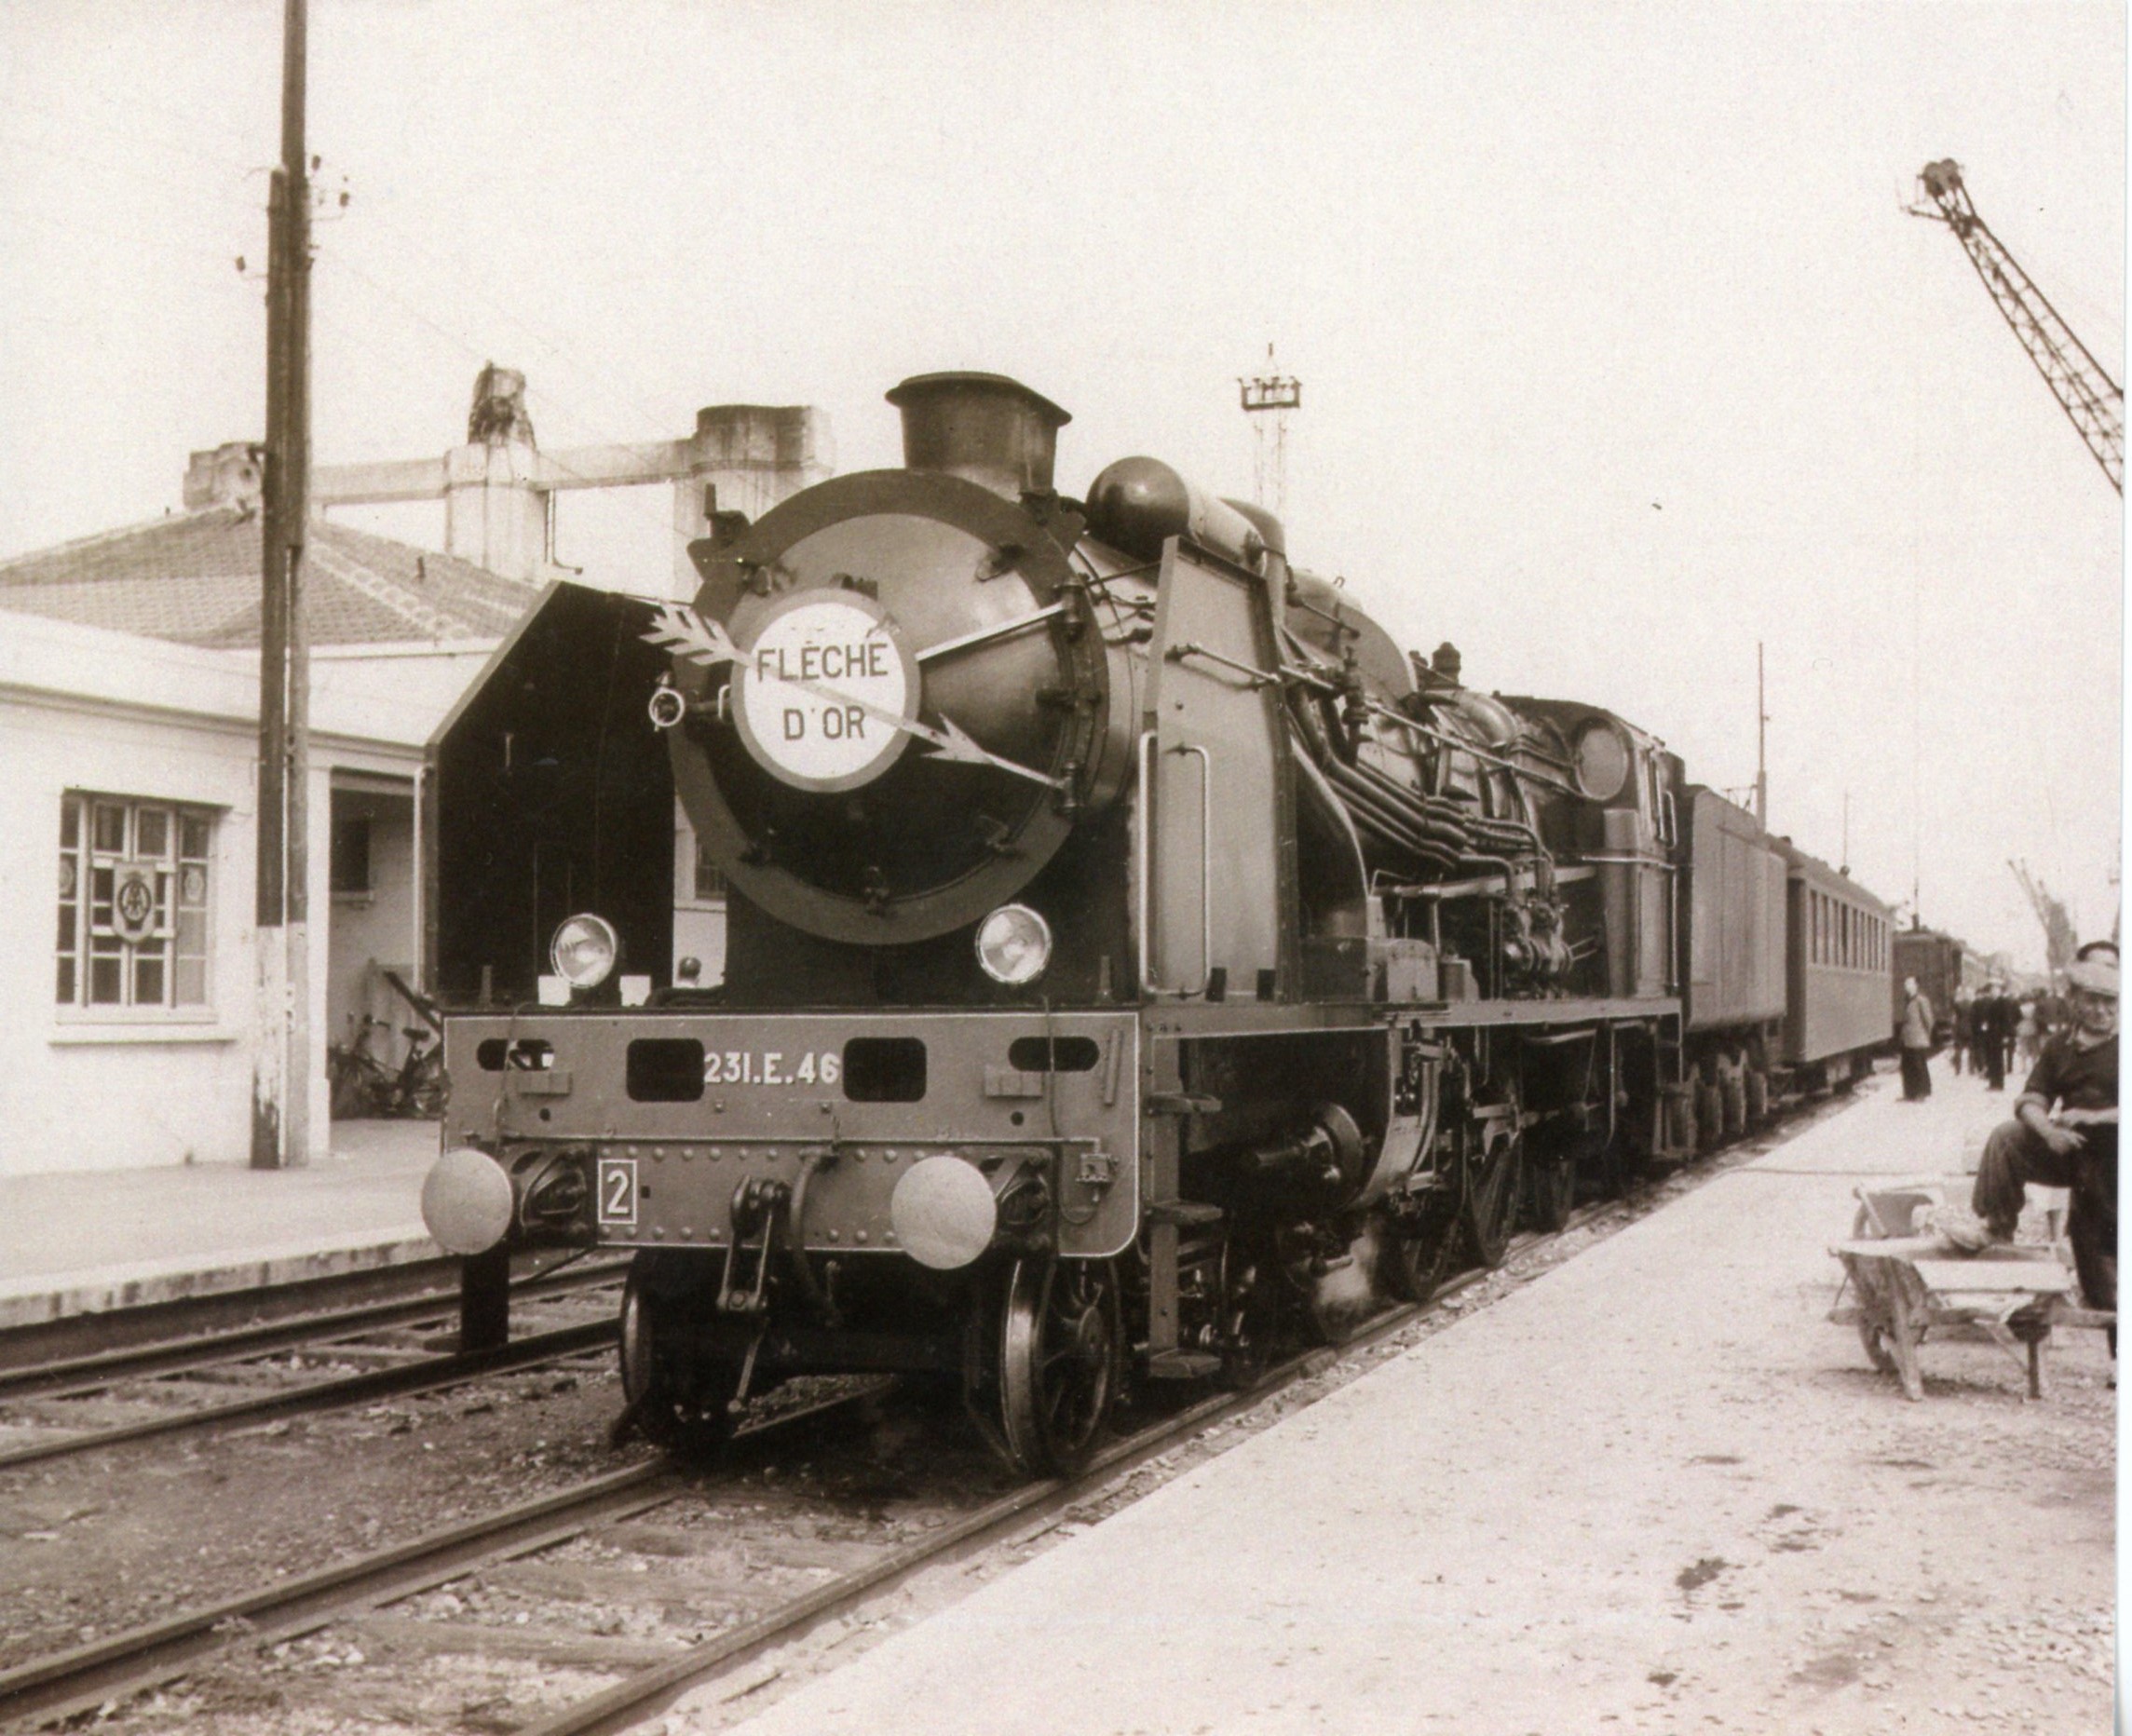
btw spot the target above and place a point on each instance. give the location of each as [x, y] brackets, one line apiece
[496, 513]
[993, 430]
[498, 416]
[228, 476]
[744, 460]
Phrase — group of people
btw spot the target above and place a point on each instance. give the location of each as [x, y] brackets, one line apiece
[1990, 1028]
[1989, 1025]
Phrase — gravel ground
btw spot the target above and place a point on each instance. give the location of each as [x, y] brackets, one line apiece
[1652, 1491]
[110, 1540]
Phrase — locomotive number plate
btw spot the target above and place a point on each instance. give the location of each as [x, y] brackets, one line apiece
[618, 1190]
[771, 1067]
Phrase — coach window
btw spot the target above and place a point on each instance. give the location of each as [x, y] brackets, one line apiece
[133, 905]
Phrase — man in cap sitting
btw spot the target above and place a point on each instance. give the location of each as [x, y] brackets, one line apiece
[2064, 1134]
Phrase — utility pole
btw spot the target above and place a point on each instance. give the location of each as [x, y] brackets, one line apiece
[1761, 743]
[281, 1068]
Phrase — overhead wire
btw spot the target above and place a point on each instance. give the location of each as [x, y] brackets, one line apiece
[459, 341]
[76, 158]
[244, 165]
[553, 345]
[73, 224]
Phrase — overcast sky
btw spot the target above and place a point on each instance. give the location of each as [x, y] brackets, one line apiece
[1618, 354]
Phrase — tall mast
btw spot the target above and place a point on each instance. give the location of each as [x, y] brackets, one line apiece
[281, 1070]
[1267, 398]
[1761, 743]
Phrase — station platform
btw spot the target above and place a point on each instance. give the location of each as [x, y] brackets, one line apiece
[1653, 1489]
[90, 1242]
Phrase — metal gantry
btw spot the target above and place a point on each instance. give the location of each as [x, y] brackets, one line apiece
[1267, 399]
[2093, 400]
[2060, 938]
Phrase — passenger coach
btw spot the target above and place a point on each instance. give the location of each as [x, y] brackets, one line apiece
[1838, 955]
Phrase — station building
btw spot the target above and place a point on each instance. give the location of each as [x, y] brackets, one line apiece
[454, 805]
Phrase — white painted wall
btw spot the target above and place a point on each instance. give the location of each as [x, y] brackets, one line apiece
[82, 708]
[85, 1089]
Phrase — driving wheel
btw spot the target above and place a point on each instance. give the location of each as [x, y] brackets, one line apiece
[1059, 1353]
[1490, 1200]
[1418, 1255]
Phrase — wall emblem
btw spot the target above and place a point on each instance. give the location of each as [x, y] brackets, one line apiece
[133, 904]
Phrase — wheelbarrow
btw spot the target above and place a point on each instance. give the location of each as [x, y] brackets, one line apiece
[1905, 1286]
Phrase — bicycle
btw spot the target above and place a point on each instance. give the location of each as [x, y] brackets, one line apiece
[363, 1086]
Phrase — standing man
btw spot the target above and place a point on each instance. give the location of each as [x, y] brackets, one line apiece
[1995, 1015]
[2064, 1134]
[1964, 1027]
[1915, 1037]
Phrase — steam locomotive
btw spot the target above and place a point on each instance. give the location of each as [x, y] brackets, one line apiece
[1133, 957]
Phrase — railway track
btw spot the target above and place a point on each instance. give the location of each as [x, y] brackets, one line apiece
[431, 1284]
[292, 1365]
[617, 1577]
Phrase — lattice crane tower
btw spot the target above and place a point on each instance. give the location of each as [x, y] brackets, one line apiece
[2060, 939]
[1268, 399]
[2094, 401]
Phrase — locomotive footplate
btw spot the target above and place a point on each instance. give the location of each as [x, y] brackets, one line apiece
[927, 1136]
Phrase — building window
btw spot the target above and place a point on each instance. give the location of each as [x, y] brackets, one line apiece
[710, 883]
[133, 903]
[351, 854]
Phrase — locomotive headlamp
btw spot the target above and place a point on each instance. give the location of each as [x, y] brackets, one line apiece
[1602, 760]
[1013, 945]
[584, 950]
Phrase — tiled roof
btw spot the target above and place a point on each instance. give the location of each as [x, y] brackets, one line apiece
[194, 577]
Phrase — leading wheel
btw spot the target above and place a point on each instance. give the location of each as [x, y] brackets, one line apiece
[1490, 1203]
[680, 1401]
[1059, 1351]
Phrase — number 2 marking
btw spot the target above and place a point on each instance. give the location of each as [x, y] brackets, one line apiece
[617, 1190]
